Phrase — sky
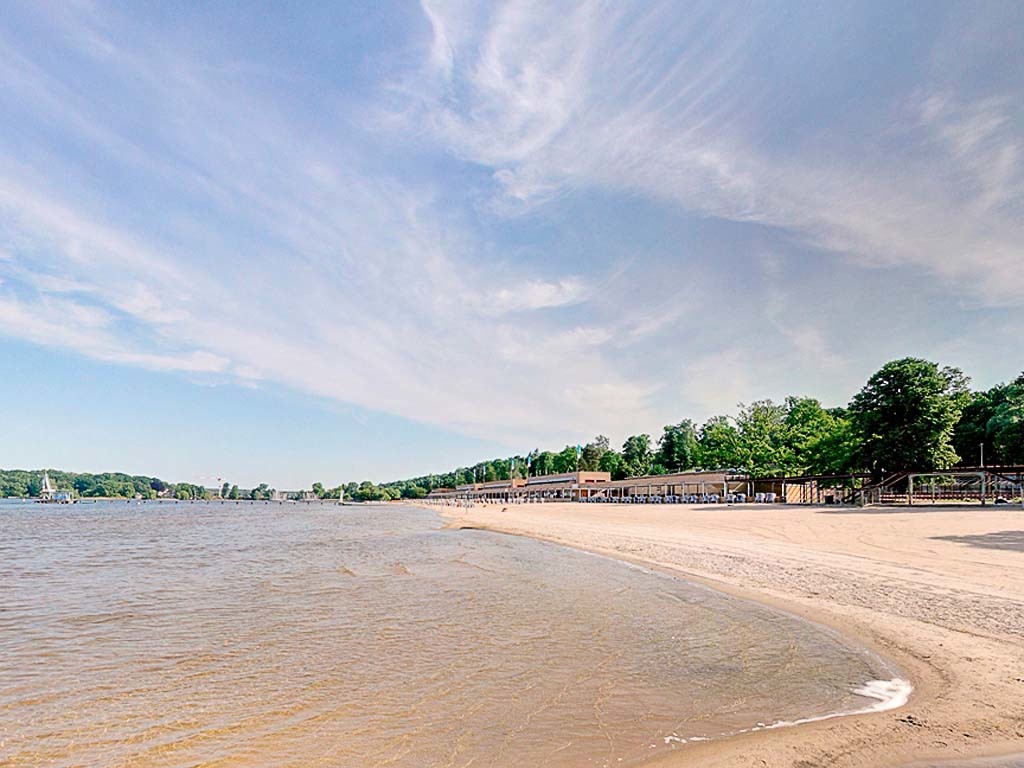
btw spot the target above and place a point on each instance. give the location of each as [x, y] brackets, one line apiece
[289, 243]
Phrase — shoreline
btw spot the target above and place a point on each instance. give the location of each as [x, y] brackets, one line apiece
[953, 714]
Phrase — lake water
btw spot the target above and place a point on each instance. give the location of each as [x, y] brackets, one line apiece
[271, 635]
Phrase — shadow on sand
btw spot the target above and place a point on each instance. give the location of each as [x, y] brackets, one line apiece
[1008, 540]
[919, 509]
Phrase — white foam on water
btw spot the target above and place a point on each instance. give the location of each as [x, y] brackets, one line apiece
[888, 694]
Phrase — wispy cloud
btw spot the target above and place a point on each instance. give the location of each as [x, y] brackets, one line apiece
[535, 294]
[490, 237]
[289, 264]
[647, 102]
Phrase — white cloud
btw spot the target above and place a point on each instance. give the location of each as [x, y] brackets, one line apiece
[87, 330]
[219, 231]
[558, 97]
[535, 294]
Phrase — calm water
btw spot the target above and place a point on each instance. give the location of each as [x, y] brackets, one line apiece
[287, 635]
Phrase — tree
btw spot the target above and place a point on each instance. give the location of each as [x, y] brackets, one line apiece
[829, 447]
[718, 444]
[637, 456]
[677, 448]
[542, 463]
[611, 462]
[318, 490]
[592, 453]
[233, 493]
[905, 415]
[1006, 427]
[367, 491]
[988, 419]
[225, 490]
[565, 460]
[763, 448]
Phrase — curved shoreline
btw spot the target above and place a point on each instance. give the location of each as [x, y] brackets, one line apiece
[941, 720]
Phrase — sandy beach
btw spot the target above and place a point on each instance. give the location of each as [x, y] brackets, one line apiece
[939, 591]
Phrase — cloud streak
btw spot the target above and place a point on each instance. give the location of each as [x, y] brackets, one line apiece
[534, 226]
[554, 106]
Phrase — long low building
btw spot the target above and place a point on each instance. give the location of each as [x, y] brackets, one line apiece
[693, 483]
[585, 486]
[960, 484]
[565, 486]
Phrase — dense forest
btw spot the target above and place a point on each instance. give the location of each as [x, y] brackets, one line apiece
[912, 413]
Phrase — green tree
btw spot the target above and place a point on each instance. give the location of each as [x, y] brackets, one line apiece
[677, 447]
[1006, 427]
[318, 490]
[225, 490]
[763, 448]
[988, 419]
[367, 491]
[590, 460]
[905, 415]
[718, 444]
[565, 460]
[637, 456]
[833, 451]
[611, 461]
[233, 493]
[543, 463]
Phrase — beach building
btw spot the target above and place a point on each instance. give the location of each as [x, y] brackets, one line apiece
[720, 483]
[567, 486]
[700, 485]
[961, 485]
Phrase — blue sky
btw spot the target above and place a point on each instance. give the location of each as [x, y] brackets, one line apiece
[375, 239]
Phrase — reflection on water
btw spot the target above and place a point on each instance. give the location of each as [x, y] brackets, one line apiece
[290, 635]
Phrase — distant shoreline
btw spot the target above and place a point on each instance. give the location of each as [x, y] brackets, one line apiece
[958, 650]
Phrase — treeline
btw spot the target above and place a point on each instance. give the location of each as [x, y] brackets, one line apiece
[24, 483]
[369, 491]
[911, 414]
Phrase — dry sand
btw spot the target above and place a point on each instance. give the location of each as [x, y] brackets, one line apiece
[940, 591]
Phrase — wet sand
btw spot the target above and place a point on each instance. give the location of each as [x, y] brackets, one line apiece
[939, 591]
